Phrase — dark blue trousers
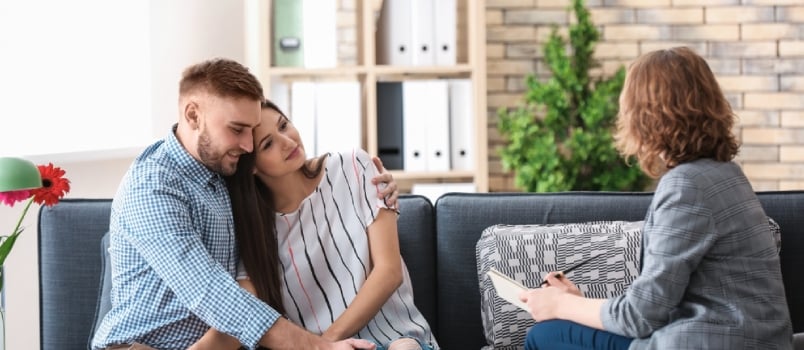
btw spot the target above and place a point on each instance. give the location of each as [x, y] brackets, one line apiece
[566, 335]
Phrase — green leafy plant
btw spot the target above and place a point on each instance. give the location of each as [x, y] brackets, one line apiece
[561, 139]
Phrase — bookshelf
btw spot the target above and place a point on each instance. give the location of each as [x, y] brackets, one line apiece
[361, 18]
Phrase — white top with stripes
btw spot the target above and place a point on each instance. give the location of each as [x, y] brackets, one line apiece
[324, 252]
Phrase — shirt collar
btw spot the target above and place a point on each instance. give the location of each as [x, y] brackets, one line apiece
[193, 168]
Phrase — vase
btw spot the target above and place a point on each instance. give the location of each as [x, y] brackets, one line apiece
[2, 328]
[2, 309]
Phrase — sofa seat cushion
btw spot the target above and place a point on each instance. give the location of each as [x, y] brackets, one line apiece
[527, 253]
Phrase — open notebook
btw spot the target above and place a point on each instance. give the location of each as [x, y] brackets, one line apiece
[507, 288]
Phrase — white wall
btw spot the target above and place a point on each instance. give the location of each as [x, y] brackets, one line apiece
[183, 32]
[61, 59]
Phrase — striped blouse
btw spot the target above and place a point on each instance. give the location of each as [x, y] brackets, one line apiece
[324, 252]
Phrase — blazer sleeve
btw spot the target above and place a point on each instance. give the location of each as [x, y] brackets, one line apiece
[678, 232]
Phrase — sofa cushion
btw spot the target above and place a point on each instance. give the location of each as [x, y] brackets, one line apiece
[527, 253]
[104, 303]
[777, 233]
[787, 208]
[69, 270]
[462, 217]
[416, 244]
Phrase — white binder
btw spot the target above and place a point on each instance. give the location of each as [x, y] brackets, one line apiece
[280, 95]
[461, 113]
[337, 116]
[414, 137]
[445, 32]
[437, 126]
[425, 125]
[423, 12]
[302, 113]
[320, 33]
[394, 33]
[433, 191]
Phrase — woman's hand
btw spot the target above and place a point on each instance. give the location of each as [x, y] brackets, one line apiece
[544, 303]
[558, 280]
[350, 343]
[390, 193]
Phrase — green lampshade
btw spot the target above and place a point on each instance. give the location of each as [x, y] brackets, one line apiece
[18, 174]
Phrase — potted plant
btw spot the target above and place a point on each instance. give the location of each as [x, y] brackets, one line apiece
[561, 138]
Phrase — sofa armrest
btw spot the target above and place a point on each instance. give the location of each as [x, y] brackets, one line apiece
[69, 270]
[416, 227]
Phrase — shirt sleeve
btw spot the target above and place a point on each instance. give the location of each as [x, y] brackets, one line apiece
[159, 226]
[368, 193]
[678, 232]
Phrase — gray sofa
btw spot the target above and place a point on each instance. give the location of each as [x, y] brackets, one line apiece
[437, 241]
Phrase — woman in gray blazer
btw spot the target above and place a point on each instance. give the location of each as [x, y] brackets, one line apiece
[710, 275]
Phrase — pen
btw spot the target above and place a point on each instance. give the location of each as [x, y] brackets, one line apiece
[573, 267]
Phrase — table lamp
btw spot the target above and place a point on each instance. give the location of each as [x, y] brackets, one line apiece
[18, 174]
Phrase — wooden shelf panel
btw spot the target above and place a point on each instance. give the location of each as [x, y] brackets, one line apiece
[409, 175]
[423, 70]
[301, 72]
[460, 70]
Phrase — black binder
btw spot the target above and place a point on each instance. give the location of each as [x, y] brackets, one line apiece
[389, 124]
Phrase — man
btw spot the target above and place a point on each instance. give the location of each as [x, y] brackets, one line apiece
[172, 243]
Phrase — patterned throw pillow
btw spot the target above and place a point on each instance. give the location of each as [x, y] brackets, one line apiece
[527, 253]
[776, 231]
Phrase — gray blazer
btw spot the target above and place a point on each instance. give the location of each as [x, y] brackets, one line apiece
[710, 274]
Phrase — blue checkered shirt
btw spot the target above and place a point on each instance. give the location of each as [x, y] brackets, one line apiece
[174, 257]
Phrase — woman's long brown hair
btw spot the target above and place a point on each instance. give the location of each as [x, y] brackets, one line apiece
[255, 233]
[253, 211]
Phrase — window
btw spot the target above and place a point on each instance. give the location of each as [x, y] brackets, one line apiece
[75, 75]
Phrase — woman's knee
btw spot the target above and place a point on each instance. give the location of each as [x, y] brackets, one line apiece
[541, 335]
[404, 344]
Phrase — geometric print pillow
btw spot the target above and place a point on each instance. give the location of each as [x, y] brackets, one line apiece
[776, 231]
[527, 253]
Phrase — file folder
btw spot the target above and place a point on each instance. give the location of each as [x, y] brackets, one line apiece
[414, 123]
[436, 101]
[288, 46]
[394, 33]
[320, 29]
[338, 116]
[445, 32]
[433, 191]
[280, 95]
[389, 125]
[423, 25]
[462, 154]
[302, 114]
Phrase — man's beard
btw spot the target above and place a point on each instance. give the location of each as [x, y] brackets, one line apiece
[212, 159]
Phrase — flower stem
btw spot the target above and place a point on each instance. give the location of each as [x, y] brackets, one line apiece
[24, 211]
[8, 243]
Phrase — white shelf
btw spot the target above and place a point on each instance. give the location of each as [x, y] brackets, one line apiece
[471, 65]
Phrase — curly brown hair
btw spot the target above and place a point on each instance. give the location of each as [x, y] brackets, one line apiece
[673, 111]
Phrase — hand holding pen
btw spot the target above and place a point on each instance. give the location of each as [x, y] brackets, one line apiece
[573, 267]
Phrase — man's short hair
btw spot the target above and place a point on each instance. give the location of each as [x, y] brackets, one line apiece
[221, 77]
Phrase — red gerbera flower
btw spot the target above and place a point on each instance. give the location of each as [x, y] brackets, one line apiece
[11, 197]
[54, 185]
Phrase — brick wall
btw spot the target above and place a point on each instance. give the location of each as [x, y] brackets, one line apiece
[755, 48]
